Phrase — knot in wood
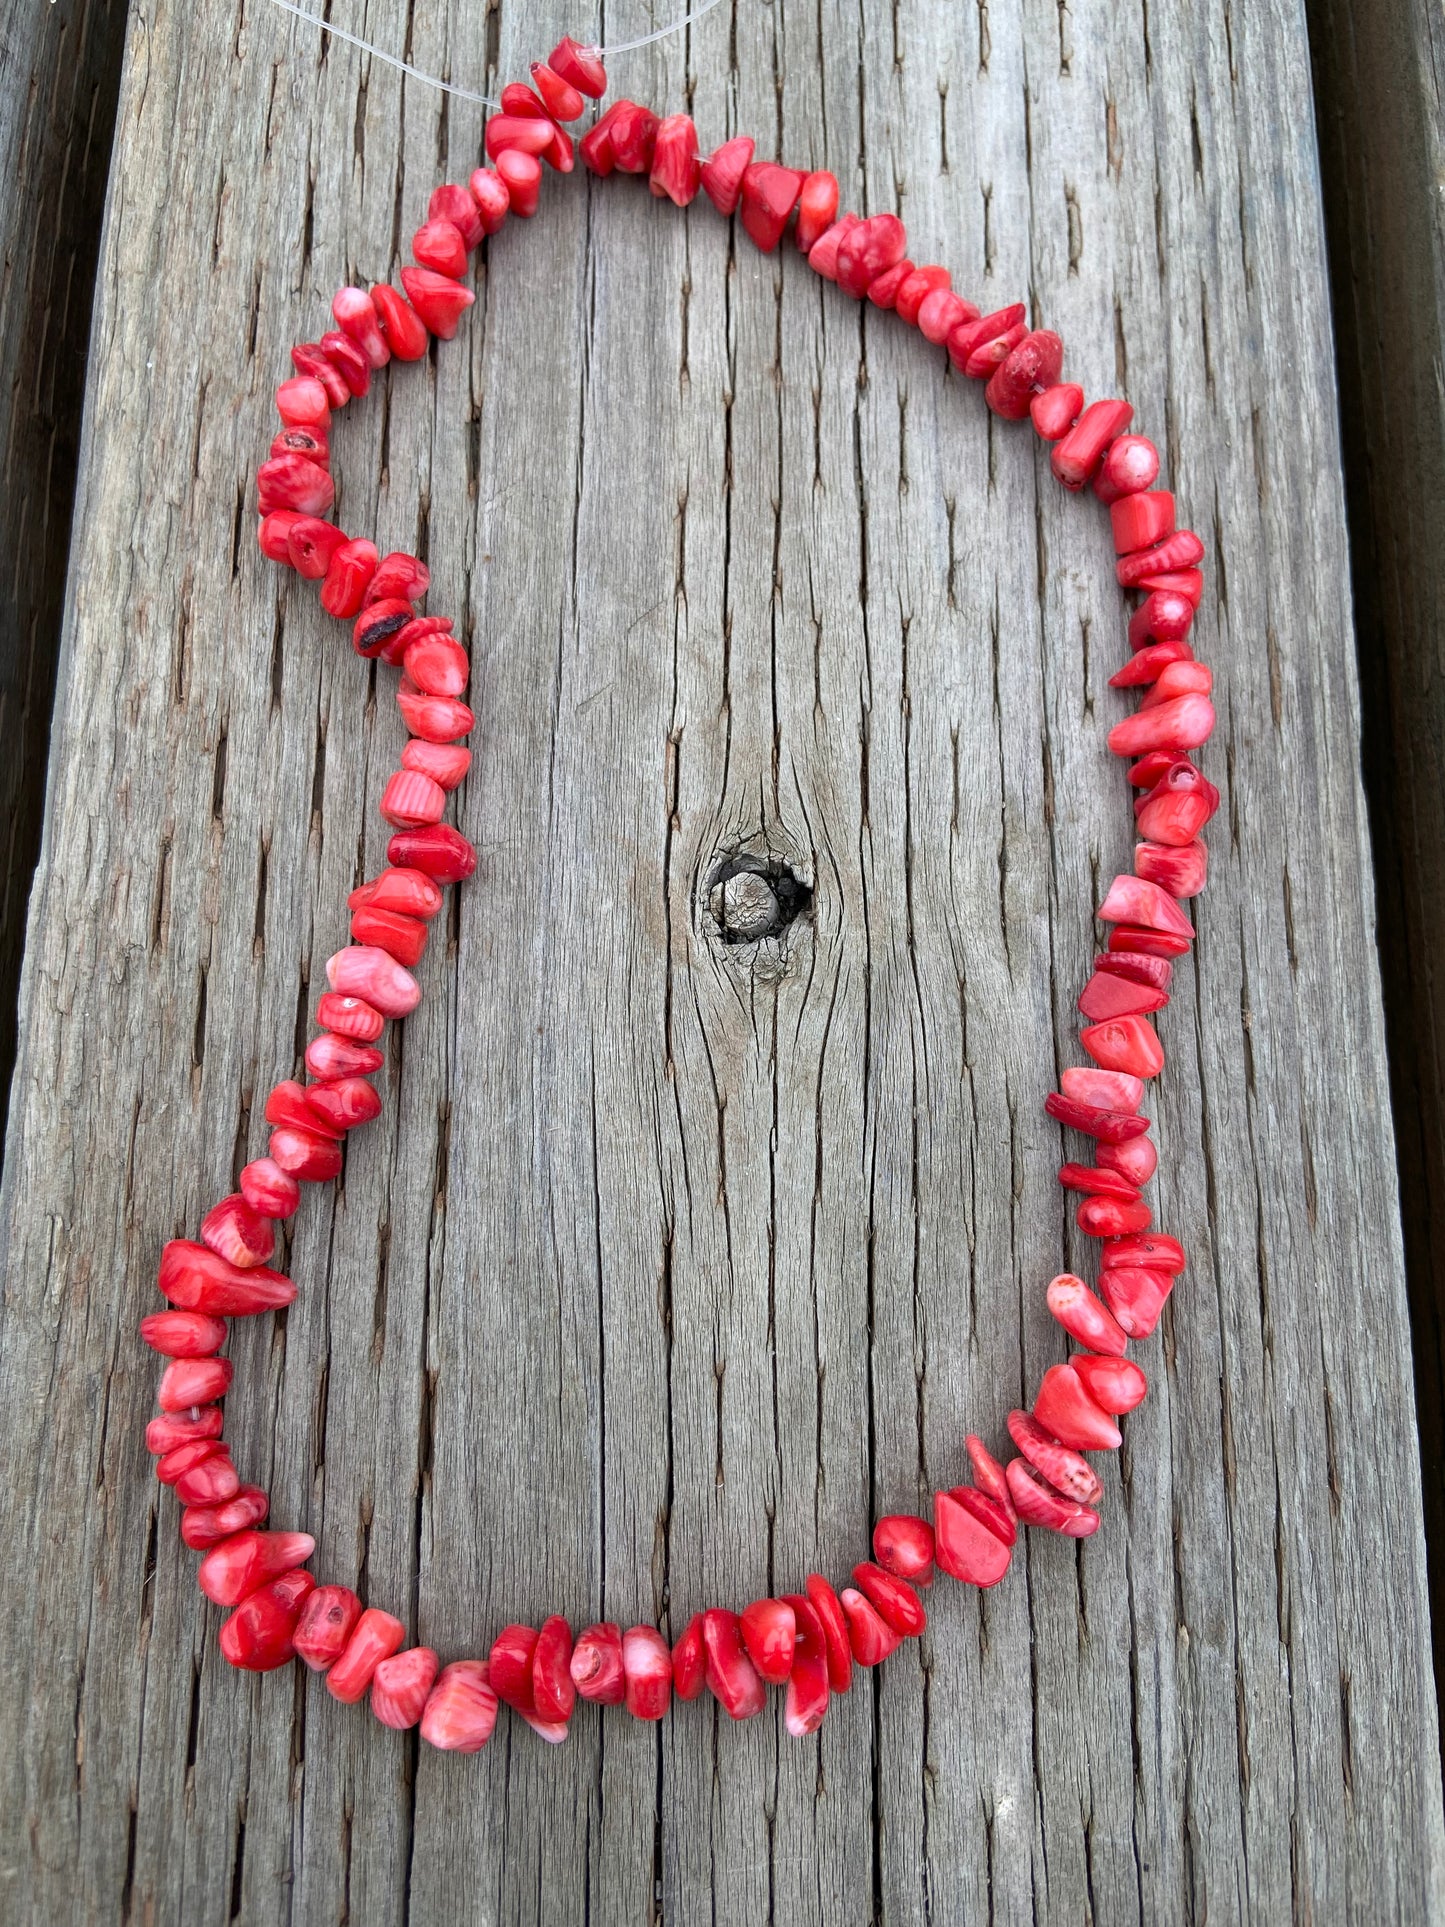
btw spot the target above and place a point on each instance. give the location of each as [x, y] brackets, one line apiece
[751, 898]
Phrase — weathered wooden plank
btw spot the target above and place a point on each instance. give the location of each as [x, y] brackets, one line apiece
[671, 1262]
[1381, 120]
[59, 77]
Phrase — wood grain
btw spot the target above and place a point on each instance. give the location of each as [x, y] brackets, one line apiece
[1382, 139]
[673, 1262]
[59, 76]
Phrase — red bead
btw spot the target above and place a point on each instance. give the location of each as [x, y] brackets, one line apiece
[444, 763]
[348, 360]
[329, 1056]
[1115, 1384]
[346, 1102]
[1139, 968]
[362, 971]
[915, 289]
[1106, 995]
[440, 246]
[237, 1232]
[289, 1103]
[1135, 901]
[817, 208]
[310, 545]
[983, 361]
[823, 255]
[292, 482]
[461, 1709]
[883, 292]
[510, 1666]
[989, 1477]
[307, 1155]
[1033, 365]
[1131, 464]
[1109, 1215]
[441, 852]
[164, 1435]
[189, 1382]
[580, 67]
[1110, 1090]
[596, 146]
[522, 174]
[1136, 1295]
[378, 623]
[676, 169]
[348, 577]
[553, 1694]
[768, 1632]
[1181, 869]
[350, 1017]
[1065, 1409]
[357, 318]
[411, 800]
[562, 100]
[203, 1526]
[969, 1546]
[436, 719]
[375, 1637]
[512, 133]
[1055, 411]
[314, 445]
[1163, 616]
[731, 1675]
[326, 1624]
[834, 1621]
[970, 338]
[521, 101]
[769, 195]
[869, 250]
[1154, 943]
[268, 1189]
[1147, 665]
[410, 892]
[689, 1661]
[722, 173]
[310, 358]
[405, 331]
[302, 403]
[1156, 1249]
[195, 1278]
[1139, 521]
[1084, 1317]
[647, 1670]
[1184, 678]
[1095, 1181]
[400, 936]
[172, 1465]
[1179, 550]
[1110, 1127]
[450, 202]
[941, 312]
[210, 1482]
[273, 533]
[1137, 1161]
[1076, 458]
[807, 1697]
[183, 1334]
[438, 665]
[1039, 1505]
[440, 301]
[894, 1599]
[238, 1565]
[493, 199]
[258, 1635]
[1125, 1044]
[871, 1640]
[903, 1545]
[596, 1665]
[400, 1686]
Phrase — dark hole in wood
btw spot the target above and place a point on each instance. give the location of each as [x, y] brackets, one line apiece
[750, 898]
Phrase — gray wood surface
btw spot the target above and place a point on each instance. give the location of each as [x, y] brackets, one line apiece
[59, 76]
[670, 1262]
[1382, 136]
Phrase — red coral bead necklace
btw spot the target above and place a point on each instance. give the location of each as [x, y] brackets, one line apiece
[807, 1642]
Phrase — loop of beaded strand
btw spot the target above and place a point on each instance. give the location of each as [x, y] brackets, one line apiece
[808, 1641]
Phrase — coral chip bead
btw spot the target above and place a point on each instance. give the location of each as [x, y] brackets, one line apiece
[293, 482]
[493, 200]
[883, 292]
[1181, 869]
[461, 1709]
[989, 1475]
[769, 1630]
[350, 1017]
[183, 1334]
[1110, 1090]
[170, 1432]
[676, 168]
[903, 1545]
[346, 1102]
[1064, 1408]
[1077, 455]
[1131, 464]
[400, 1685]
[868, 250]
[211, 1482]
[1140, 521]
[399, 936]
[357, 318]
[195, 1278]
[438, 665]
[817, 208]
[301, 402]
[238, 1565]
[440, 852]
[1039, 1505]
[968, 1548]
[379, 623]
[440, 301]
[1066, 1470]
[1109, 1215]
[1115, 1384]
[522, 175]
[171, 1466]
[237, 1232]
[1125, 1044]
[326, 1624]
[823, 255]
[360, 970]
[769, 195]
[1137, 1162]
[1136, 1295]
[188, 1382]
[596, 1665]
[553, 1694]
[894, 1599]
[562, 100]
[731, 1676]
[834, 1621]
[375, 1637]
[409, 892]
[258, 1635]
[580, 67]
[348, 577]
[329, 1056]
[450, 202]
[1084, 1317]
[1033, 365]
[203, 1526]
[807, 1698]
[689, 1660]
[307, 1155]
[445, 763]
[405, 331]
[436, 719]
[647, 1669]
[289, 1104]
[871, 1639]
[440, 246]
[915, 289]
[411, 799]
